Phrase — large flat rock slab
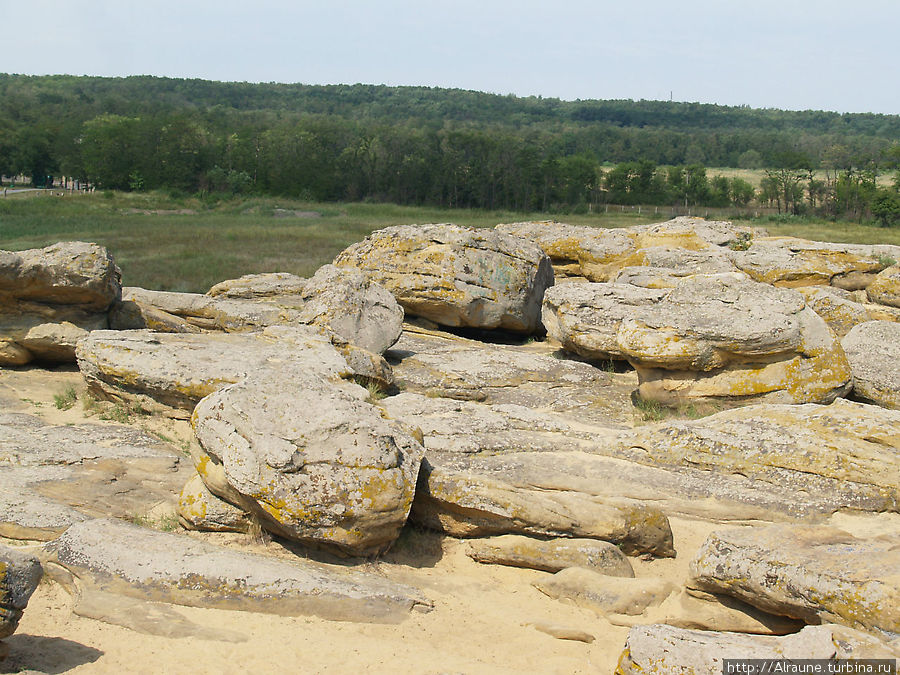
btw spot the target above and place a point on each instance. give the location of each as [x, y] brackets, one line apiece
[177, 370]
[457, 276]
[665, 650]
[873, 350]
[813, 573]
[598, 254]
[445, 366]
[133, 561]
[793, 262]
[53, 476]
[846, 453]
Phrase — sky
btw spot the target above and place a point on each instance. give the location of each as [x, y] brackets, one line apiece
[792, 54]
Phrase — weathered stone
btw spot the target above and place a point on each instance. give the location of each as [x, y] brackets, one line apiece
[50, 297]
[200, 509]
[146, 564]
[67, 273]
[836, 306]
[473, 502]
[885, 288]
[813, 573]
[441, 365]
[178, 370]
[19, 576]
[551, 555]
[358, 310]
[605, 594]
[55, 476]
[873, 350]
[311, 459]
[725, 337]
[457, 276]
[563, 632]
[846, 450]
[598, 253]
[259, 286]
[664, 650]
[199, 311]
[585, 318]
[788, 261]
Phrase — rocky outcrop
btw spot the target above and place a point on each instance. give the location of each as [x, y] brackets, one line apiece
[51, 297]
[142, 563]
[792, 262]
[837, 307]
[813, 573]
[845, 453]
[603, 593]
[873, 350]
[341, 302]
[665, 650]
[723, 337]
[457, 276]
[20, 575]
[551, 555]
[310, 458]
[885, 288]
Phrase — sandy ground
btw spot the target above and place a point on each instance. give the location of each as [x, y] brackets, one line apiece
[481, 623]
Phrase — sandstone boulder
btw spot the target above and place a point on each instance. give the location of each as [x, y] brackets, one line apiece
[813, 573]
[465, 500]
[885, 288]
[598, 254]
[585, 318]
[348, 303]
[837, 307]
[724, 337]
[844, 454]
[665, 650]
[310, 458]
[792, 262]
[605, 594]
[873, 350]
[20, 574]
[51, 297]
[552, 555]
[138, 562]
[457, 276]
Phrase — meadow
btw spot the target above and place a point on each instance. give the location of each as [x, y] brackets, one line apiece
[189, 244]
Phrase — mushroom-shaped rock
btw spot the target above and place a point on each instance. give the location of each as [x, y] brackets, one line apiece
[457, 276]
[723, 336]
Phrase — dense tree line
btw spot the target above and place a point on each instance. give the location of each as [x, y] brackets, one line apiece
[415, 145]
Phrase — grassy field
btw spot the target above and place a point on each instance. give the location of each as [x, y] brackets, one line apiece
[158, 247]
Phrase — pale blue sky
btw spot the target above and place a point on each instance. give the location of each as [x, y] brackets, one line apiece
[822, 54]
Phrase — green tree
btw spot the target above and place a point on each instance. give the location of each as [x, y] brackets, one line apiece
[886, 207]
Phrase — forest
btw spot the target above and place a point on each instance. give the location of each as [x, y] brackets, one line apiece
[442, 147]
